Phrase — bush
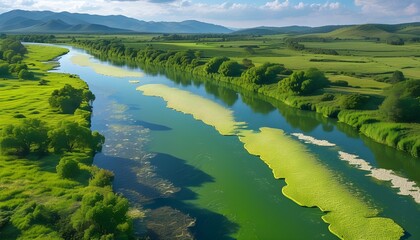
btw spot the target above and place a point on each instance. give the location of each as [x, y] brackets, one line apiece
[402, 103]
[353, 101]
[68, 168]
[102, 214]
[397, 76]
[212, 66]
[327, 97]
[102, 178]
[67, 99]
[25, 74]
[302, 83]
[230, 69]
[22, 139]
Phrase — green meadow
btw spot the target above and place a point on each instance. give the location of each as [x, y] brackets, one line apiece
[38, 199]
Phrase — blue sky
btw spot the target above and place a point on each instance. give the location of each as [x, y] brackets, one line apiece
[239, 13]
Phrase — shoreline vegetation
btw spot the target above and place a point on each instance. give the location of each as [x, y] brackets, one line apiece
[348, 216]
[48, 186]
[389, 118]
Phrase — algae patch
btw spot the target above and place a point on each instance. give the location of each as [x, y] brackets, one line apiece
[311, 184]
[200, 108]
[107, 70]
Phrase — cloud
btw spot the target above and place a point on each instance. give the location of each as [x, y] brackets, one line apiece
[388, 7]
[277, 5]
[151, 1]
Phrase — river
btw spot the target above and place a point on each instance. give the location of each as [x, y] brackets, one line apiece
[193, 181]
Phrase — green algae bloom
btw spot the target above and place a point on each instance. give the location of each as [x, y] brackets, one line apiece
[200, 108]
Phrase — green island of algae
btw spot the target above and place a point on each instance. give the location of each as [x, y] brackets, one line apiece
[308, 182]
[200, 108]
[311, 184]
[107, 70]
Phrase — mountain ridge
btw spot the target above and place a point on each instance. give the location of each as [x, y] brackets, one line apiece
[22, 21]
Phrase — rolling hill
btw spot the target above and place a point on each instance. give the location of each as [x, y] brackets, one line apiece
[20, 21]
[382, 31]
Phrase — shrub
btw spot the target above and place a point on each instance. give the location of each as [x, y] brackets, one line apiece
[25, 74]
[327, 97]
[302, 83]
[67, 168]
[353, 101]
[102, 178]
[230, 69]
[212, 66]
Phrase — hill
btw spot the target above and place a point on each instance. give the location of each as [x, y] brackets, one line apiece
[20, 21]
[382, 31]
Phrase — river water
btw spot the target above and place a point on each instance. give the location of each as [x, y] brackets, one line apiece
[194, 182]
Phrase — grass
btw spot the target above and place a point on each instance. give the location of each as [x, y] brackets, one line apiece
[33, 180]
[311, 184]
[30, 99]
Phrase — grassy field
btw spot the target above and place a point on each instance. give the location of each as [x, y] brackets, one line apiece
[31, 183]
[30, 99]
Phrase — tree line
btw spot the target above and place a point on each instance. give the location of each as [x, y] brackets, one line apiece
[12, 52]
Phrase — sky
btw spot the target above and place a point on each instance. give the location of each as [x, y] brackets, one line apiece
[239, 13]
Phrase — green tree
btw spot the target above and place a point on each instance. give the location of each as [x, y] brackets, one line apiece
[397, 76]
[68, 136]
[102, 215]
[29, 136]
[302, 83]
[25, 74]
[353, 101]
[68, 168]
[67, 99]
[230, 69]
[402, 103]
[212, 66]
[4, 69]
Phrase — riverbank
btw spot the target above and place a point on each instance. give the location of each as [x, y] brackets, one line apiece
[369, 121]
[49, 194]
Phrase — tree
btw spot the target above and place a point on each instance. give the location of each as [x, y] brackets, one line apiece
[68, 136]
[264, 74]
[102, 214]
[25, 74]
[397, 76]
[4, 69]
[29, 136]
[402, 103]
[302, 83]
[68, 168]
[212, 66]
[247, 63]
[88, 96]
[67, 99]
[230, 69]
[353, 101]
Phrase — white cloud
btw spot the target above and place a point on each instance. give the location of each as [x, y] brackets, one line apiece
[301, 5]
[276, 5]
[388, 7]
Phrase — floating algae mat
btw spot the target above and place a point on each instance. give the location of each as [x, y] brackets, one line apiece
[107, 70]
[200, 108]
[311, 184]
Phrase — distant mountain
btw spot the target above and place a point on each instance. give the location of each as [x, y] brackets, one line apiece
[51, 22]
[405, 30]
